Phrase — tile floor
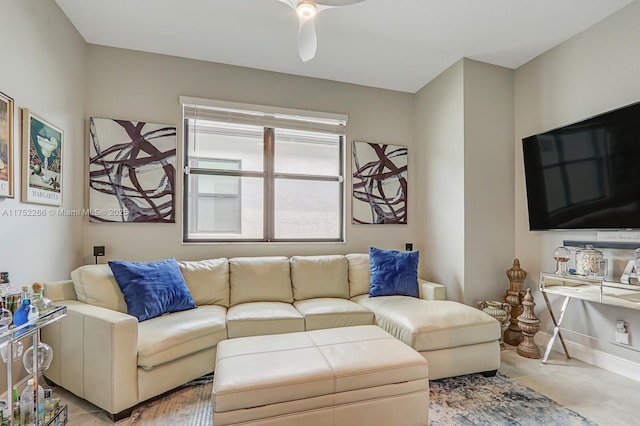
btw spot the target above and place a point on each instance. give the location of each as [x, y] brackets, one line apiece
[606, 398]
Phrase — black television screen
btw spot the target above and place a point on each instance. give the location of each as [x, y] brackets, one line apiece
[585, 175]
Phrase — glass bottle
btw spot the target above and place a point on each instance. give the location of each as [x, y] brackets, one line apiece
[590, 262]
[43, 304]
[22, 313]
[27, 403]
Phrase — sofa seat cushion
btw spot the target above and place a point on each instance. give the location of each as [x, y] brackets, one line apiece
[428, 325]
[329, 312]
[256, 318]
[170, 337]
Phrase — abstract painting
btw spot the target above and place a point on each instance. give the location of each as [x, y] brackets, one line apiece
[379, 183]
[6, 145]
[132, 171]
[42, 161]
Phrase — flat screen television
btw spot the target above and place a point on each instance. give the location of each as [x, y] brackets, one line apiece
[585, 175]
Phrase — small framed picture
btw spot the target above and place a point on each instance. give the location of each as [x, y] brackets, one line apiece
[6, 146]
[42, 160]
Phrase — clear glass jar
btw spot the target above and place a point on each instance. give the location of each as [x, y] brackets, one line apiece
[590, 262]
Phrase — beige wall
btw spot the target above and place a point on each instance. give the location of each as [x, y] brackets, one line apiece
[43, 69]
[594, 72]
[464, 126]
[488, 180]
[439, 119]
[139, 86]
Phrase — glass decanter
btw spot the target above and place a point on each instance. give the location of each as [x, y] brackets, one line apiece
[45, 356]
[562, 255]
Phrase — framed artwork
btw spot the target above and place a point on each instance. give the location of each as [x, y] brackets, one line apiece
[132, 171]
[42, 148]
[379, 183]
[6, 146]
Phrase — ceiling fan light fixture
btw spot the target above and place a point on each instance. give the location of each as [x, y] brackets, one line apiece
[306, 10]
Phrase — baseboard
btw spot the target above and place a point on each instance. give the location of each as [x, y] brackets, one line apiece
[606, 361]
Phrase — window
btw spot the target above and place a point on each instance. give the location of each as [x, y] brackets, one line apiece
[262, 174]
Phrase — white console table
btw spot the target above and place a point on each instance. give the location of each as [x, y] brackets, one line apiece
[583, 288]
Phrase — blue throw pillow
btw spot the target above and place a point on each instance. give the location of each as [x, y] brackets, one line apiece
[152, 289]
[393, 272]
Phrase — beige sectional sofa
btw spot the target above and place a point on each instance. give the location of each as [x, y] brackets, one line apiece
[107, 357]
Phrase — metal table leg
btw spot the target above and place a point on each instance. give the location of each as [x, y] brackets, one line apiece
[556, 328]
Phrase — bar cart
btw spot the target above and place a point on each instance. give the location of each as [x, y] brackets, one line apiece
[58, 416]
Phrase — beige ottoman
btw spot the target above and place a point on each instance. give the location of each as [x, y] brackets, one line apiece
[344, 376]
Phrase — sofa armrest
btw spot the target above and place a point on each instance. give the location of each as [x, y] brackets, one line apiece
[95, 355]
[60, 290]
[432, 291]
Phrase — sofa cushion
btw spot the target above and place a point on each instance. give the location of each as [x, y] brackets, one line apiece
[96, 285]
[428, 325]
[256, 318]
[319, 276]
[152, 289]
[393, 272]
[171, 337]
[208, 281]
[359, 273]
[260, 279]
[332, 312]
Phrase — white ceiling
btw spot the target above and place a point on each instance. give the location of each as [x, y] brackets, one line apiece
[399, 45]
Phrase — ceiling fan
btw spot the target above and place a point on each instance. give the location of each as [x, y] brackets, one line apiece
[307, 11]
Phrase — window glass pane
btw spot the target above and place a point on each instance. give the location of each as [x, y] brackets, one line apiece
[224, 141]
[307, 209]
[218, 214]
[218, 184]
[226, 216]
[309, 153]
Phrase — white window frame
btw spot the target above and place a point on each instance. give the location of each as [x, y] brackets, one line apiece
[270, 118]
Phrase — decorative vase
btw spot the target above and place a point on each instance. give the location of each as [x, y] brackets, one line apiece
[513, 296]
[530, 325]
[498, 310]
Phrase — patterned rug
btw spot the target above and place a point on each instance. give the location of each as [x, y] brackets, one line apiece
[478, 400]
[464, 400]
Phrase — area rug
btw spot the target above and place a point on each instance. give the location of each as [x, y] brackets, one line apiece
[188, 405]
[498, 400]
[457, 401]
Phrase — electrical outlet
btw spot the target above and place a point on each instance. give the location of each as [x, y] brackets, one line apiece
[622, 337]
[622, 334]
[98, 250]
[408, 246]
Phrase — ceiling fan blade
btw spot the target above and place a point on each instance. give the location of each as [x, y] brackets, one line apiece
[336, 3]
[307, 39]
[291, 3]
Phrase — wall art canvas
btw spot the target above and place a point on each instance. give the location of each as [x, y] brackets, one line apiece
[379, 183]
[6, 146]
[42, 150]
[132, 171]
